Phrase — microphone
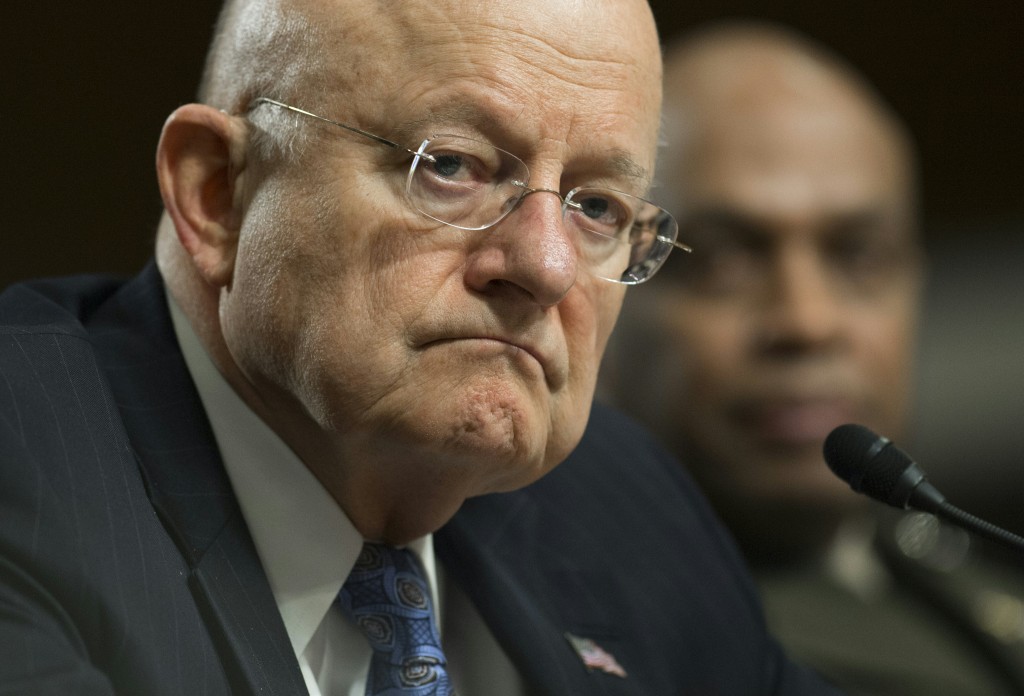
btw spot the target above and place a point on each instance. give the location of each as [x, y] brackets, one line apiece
[872, 465]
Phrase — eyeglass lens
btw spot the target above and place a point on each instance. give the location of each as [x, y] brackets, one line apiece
[472, 185]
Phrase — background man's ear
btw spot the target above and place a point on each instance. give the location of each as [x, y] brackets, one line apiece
[199, 160]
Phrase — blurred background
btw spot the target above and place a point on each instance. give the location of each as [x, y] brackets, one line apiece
[87, 88]
[954, 71]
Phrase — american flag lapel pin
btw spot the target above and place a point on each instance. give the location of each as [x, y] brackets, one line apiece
[594, 656]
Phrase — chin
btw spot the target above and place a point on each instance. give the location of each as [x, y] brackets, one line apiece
[498, 416]
[495, 439]
[506, 448]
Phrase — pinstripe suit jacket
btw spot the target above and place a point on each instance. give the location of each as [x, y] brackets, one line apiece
[126, 567]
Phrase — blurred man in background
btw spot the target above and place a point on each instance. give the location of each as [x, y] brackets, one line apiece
[797, 313]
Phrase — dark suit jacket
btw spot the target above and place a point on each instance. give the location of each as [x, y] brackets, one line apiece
[126, 566]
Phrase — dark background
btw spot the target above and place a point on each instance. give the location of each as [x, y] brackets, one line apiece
[86, 87]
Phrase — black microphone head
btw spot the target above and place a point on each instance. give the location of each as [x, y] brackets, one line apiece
[870, 463]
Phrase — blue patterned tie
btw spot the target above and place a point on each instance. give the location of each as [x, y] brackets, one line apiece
[387, 597]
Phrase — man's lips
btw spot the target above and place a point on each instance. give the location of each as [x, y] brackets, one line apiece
[502, 344]
[794, 422]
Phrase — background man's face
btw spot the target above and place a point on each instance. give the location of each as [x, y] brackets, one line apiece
[796, 312]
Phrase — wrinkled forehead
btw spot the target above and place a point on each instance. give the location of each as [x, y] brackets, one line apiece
[585, 63]
[591, 30]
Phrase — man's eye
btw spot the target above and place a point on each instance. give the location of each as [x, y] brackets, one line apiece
[866, 255]
[729, 258]
[604, 215]
[448, 165]
[594, 207]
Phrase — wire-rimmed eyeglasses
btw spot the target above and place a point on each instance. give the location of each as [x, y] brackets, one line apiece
[472, 185]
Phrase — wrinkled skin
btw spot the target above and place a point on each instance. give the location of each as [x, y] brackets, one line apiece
[413, 365]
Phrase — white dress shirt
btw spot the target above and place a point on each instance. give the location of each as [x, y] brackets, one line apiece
[308, 546]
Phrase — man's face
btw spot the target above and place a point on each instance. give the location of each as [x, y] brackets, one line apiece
[796, 311]
[414, 344]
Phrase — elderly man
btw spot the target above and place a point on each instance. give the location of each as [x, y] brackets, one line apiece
[795, 185]
[328, 418]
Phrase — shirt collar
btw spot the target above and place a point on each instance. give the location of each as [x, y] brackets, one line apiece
[305, 542]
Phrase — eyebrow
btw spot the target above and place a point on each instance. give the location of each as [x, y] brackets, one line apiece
[451, 113]
[624, 165]
[726, 219]
[619, 162]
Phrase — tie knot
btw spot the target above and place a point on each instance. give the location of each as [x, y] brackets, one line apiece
[386, 576]
[387, 597]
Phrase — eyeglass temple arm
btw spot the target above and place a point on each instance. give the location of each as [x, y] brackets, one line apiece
[353, 129]
[396, 146]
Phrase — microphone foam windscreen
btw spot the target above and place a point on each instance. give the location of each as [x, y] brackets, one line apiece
[846, 450]
[865, 460]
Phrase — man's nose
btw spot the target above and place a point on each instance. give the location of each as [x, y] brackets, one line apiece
[802, 308]
[531, 249]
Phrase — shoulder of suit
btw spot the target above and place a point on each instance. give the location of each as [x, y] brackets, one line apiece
[53, 305]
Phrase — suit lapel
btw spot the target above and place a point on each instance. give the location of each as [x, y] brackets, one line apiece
[494, 548]
[529, 593]
[189, 488]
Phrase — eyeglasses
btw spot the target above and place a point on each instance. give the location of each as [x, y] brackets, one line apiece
[472, 185]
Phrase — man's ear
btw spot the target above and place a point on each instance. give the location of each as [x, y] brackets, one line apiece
[199, 160]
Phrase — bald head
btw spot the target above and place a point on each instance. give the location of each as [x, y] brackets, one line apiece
[330, 55]
[280, 47]
[755, 59]
[763, 87]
